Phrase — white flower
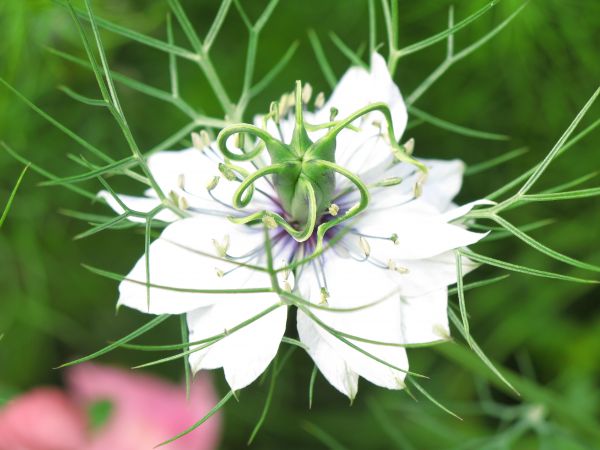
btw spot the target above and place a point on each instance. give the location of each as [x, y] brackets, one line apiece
[382, 281]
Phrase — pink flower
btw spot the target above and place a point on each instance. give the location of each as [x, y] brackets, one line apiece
[145, 411]
[42, 419]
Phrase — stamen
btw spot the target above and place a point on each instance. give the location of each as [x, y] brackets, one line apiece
[333, 112]
[221, 248]
[212, 183]
[227, 172]
[286, 286]
[282, 106]
[320, 100]
[392, 265]
[306, 93]
[183, 203]
[274, 112]
[334, 209]
[324, 296]
[291, 100]
[174, 197]
[387, 182]
[409, 146]
[200, 140]
[364, 246]
[269, 222]
[418, 188]
[181, 181]
[377, 124]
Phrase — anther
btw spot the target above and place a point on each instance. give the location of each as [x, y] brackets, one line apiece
[219, 272]
[221, 248]
[174, 197]
[286, 271]
[269, 222]
[333, 112]
[394, 239]
[274, 111]
[324, 296]
[334, 209]
[286, 286]
[183, 204]
[282, 106]
[181, 181]
[291, 100]
[395, 267]
[392, 181]
[377, 124]
[200, 140]
[364, 246]
[227, 172]
[418, 188]
[212, 183]
[306, 93]
[319, 100]
[409, 146]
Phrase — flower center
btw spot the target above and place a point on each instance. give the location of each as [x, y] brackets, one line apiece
[303, 172]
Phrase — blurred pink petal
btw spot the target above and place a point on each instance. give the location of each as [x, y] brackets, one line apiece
[146, 410]
[43, 419]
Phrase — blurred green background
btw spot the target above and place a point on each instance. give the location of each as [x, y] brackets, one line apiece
[528, 82]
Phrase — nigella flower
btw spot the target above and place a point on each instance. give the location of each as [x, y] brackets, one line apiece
[342, 223]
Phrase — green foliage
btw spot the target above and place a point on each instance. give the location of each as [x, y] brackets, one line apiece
[527, 83]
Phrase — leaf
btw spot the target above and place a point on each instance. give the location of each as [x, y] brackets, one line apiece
[542, 248]
[119, 343]
[458, 129]
[522, 269]
[417, 46]
[542, 166]
[322, 59]
[494, 162]
[12, 196]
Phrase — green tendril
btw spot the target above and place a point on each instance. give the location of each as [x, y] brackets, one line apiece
[257, 132]
[299, 235]
[303, 172]
[352, 212]
[399, 151]
[248, 184]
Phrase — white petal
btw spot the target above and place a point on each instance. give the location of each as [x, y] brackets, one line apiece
[460, 211]
[244, 353]
[333, 367]
[190, 167]
[351, 284]
[185, 257]
[422, 232]
[425, 318]
[138, 204]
